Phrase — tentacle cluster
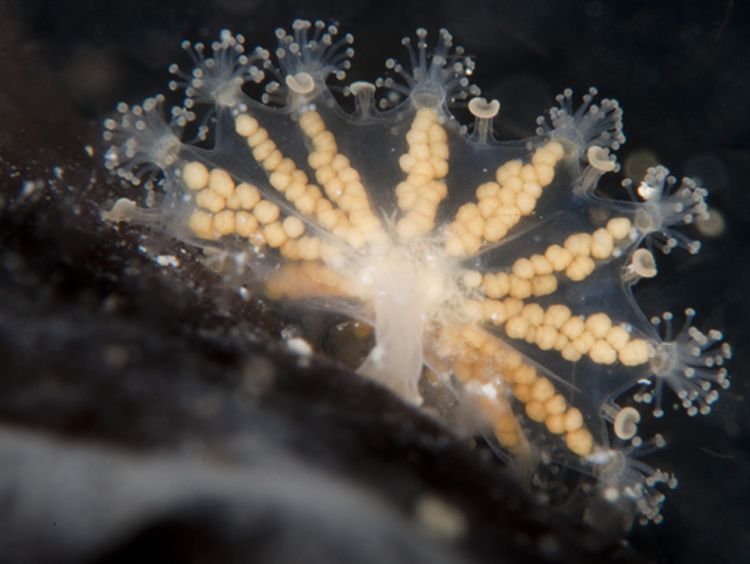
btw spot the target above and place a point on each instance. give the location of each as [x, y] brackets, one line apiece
[436, 78]
[666, 205]
[303, 63]
[691, 363]
[141, 141]
[592, 131]
[216, 79]
[491, 268]
[630, 485]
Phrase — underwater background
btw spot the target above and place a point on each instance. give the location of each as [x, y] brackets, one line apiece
[680, 71]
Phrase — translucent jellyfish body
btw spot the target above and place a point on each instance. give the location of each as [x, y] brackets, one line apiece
[493, 269]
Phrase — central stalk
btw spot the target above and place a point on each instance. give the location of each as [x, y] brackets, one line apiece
[407, 289]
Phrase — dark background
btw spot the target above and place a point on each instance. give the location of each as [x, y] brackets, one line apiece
[679, 69]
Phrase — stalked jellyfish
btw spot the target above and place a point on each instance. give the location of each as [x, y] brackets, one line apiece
[495, 269]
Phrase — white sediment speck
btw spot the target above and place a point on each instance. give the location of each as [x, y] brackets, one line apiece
[168, 260]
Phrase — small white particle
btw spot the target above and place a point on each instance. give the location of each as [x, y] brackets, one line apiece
[299, 346]
[168, 260]
[377, 355]
[439, 518]
[611, 494]
[489, 391]
[29, 187]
